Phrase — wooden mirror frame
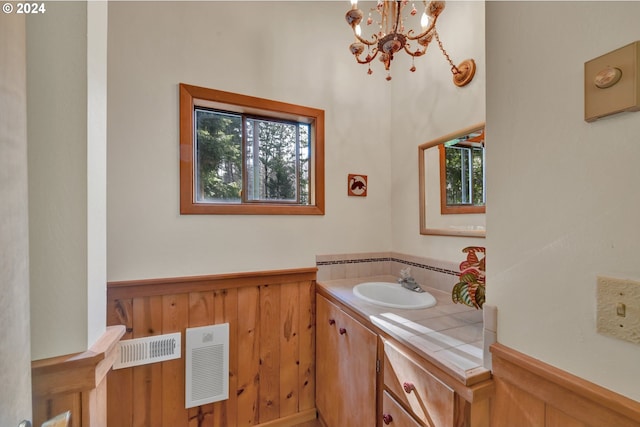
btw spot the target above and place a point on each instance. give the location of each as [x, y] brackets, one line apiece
[422, 186]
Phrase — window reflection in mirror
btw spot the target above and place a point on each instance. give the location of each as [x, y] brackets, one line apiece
[454, 162]
[462, 177]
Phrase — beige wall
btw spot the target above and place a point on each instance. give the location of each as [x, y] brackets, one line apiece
[373, 128]
[563, 198]
[15, 361]
[66, 101]
[97, 20]
[427, 105]
[232, 46]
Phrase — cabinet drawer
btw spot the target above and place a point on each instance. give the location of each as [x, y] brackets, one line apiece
[394, 414]
[430, 400]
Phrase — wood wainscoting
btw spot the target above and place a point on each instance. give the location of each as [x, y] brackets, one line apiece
[532, 393]
[271, 318]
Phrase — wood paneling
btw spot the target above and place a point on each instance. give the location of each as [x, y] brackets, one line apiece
[269, 367]
[272, 348]
[532, 393]
[120, 383]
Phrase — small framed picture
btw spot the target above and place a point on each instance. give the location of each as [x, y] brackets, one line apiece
[357, 185]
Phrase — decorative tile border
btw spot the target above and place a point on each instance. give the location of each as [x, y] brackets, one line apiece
[383, 259]
[353, 261]
[426, 266]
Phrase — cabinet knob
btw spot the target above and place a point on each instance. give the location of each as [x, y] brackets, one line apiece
[332, 321]
[387, 418]
[408, 387]
[343, 331]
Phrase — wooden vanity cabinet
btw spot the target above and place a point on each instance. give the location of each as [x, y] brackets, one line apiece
[346, 355]
[366, 379]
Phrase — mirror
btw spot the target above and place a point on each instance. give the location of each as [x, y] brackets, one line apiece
[452, 193]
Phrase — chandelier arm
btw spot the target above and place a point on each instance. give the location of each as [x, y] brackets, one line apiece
[415, 54]
[365, 41]
[368, 59]
[424, 33]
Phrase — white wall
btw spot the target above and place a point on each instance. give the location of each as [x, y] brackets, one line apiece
[563, 198]
[97, 18]
[295, 52]
[66, 105]
[15, 360]
[427, 105]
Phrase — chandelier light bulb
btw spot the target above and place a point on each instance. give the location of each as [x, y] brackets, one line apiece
[358, 30]
[354, 3]
[424, 20]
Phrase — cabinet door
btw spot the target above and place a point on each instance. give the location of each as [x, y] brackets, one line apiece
[345, 368]
[430, 400]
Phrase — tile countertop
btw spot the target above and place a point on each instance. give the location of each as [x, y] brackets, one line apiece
[448, 334]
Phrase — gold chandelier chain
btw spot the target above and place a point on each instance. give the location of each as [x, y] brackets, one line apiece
[454, 69]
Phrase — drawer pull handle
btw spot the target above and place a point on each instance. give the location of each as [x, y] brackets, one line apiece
[343, 331]
[387, 418]
[408, 387]
[332, 321]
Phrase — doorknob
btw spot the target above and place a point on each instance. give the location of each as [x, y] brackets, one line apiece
[24, 423]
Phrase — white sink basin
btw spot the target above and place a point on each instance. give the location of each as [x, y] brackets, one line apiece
[393, 295]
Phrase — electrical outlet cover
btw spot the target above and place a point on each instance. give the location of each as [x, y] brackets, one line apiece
[619, 309]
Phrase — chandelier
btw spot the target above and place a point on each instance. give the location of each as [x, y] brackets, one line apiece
[390, 36]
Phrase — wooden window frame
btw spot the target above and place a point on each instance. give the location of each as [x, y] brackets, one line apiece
[192, 96]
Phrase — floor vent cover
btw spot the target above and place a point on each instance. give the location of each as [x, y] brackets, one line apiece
[207, 365]
[141, 351]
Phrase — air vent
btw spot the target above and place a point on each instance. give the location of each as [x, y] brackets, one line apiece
[207, 365]
[141, 351]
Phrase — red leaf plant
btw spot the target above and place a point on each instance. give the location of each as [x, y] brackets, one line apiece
[470, 289]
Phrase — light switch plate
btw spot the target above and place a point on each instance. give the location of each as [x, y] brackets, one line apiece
[619, 308]
[612, 83]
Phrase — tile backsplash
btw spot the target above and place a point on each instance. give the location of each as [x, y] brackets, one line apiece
[437, 274]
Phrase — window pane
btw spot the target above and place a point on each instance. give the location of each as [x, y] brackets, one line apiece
[478, 176]
[455, 164]
[245, 155]
[218, 157]
[272, 159]
[465, 175]
[305, 155]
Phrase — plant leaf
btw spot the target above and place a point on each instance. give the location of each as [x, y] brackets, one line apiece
[470, 290]
[460, 294]
[474, 249]
[480, 296]
[469, 277]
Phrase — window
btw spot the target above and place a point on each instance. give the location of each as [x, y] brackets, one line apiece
[247, 155]
[462, 177]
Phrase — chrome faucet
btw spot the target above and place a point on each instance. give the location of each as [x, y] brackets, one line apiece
[408, 282]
